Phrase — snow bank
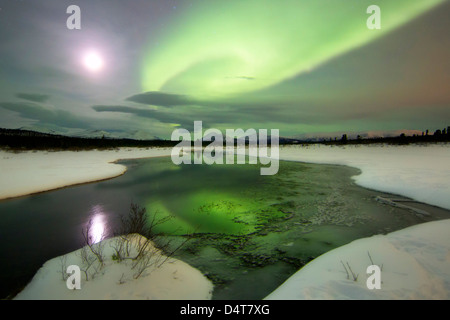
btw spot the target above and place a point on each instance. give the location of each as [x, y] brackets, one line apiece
[416, 261]
[415, 171]
[174, 280]
[32, 172]
[420, 172]
[415, 264]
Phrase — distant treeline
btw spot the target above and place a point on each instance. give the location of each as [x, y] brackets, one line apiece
[16, 139]
[400, 140]
[438, 136]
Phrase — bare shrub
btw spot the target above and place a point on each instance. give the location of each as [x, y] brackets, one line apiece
[63, 264]
[350, 271]
[95, 247]
[87, 261]
[135, 241]
[151, 250]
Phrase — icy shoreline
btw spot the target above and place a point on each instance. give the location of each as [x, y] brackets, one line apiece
[173, 280]
[414, 262]
[30, 172]
[417, 259]
[420, 172]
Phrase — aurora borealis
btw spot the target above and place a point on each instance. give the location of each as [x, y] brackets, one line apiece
[231, 47]
[304, 67]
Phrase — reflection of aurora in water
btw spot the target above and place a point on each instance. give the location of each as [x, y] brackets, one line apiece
[206, 199]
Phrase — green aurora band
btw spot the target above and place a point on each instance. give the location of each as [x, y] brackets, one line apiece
[219, 49]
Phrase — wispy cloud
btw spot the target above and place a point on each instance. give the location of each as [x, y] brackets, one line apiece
[161, 99]
[165, 117]
[34, 97]
[44, 115]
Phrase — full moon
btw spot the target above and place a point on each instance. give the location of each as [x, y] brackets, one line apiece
[93, 61]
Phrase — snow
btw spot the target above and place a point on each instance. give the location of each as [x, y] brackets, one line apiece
[32, 172]
[174, 280]
[414, 262]
[420, 172]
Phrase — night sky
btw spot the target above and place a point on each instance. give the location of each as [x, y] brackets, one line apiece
[142, 68]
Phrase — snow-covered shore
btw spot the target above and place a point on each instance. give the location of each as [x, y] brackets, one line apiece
[33, 172]
[414, 262]
[420, 172]
[173, 280]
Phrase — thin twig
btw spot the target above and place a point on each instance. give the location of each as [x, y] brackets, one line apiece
[355, 278]
[346, 271]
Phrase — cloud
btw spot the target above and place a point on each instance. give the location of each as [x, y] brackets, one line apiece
[185, 116]
[33, 97]
[44, 115]
[125, 109]
[161, 99]
[245, 109]
[241, 77]
[165, 117]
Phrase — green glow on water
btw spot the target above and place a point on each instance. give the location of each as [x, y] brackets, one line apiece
[208, 212]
